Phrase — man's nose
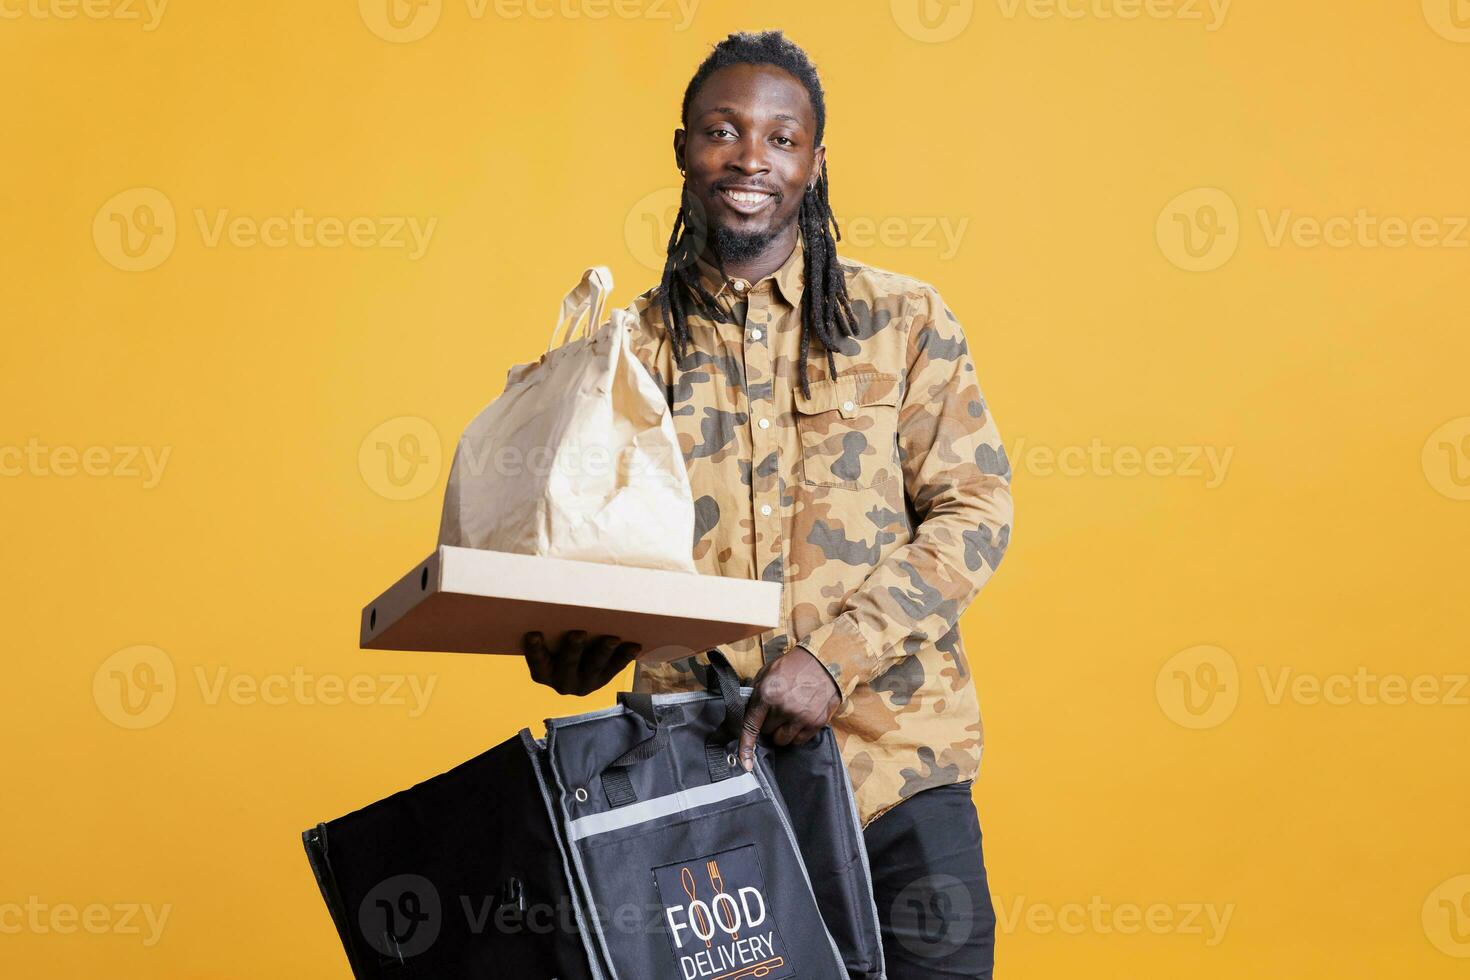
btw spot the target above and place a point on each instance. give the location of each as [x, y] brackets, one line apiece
[750, 156]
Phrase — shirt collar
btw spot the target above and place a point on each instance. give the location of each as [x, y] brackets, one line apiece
[789, 277]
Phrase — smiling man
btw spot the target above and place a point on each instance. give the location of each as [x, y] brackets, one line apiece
[837, 442]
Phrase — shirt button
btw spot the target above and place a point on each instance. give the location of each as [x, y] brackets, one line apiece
[847, 406]
[764, 423]
[765, 510]
[755, 335]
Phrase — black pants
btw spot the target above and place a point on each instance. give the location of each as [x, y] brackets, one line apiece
[934, 905]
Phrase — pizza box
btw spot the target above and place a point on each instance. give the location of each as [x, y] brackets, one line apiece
[467, 600]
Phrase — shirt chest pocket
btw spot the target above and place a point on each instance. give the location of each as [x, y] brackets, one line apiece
[848, 428]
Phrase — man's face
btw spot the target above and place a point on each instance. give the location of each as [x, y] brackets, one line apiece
[749, 154]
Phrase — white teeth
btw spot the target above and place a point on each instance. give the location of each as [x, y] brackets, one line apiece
[747, 197]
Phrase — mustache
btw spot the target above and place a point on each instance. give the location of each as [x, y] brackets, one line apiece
[738, 186]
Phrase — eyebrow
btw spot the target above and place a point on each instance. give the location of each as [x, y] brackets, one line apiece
[731, 110]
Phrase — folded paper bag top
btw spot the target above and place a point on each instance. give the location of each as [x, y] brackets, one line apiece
[578, 457]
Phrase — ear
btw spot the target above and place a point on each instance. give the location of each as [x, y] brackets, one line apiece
[679, 149]
[819, 160]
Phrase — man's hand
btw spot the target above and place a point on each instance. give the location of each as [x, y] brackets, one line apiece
[794, 699]
[576, 666]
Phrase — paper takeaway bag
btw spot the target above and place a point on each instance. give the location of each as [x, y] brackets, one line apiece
[578, 457]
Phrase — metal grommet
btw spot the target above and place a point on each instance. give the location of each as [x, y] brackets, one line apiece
[730, 758]
[581, 795]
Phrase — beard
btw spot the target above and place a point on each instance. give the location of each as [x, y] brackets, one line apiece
[741, 246]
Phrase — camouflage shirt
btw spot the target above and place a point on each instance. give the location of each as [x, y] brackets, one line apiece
[880, 501]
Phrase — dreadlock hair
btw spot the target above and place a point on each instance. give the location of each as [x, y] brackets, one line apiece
[826, 312]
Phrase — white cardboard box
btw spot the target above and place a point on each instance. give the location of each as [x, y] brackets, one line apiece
[465, 600]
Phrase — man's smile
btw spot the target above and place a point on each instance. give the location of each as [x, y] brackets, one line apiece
[747, 200]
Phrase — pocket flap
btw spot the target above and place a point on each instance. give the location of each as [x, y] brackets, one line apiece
[847, 393]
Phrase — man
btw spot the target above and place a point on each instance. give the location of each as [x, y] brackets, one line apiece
[838, 443]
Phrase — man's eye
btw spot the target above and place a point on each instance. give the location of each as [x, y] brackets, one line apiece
[719, 131]
[783, 139]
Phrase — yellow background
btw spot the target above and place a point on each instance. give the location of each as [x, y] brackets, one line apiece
[1334, 542]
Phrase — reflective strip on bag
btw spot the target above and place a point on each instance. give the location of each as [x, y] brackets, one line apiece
[662, 806]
